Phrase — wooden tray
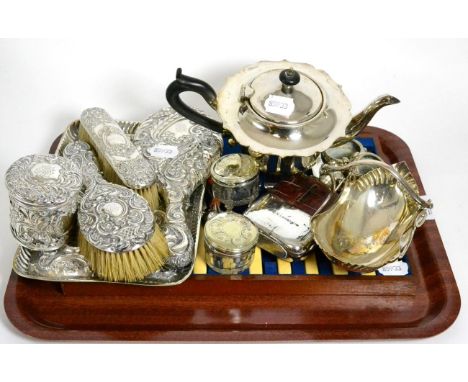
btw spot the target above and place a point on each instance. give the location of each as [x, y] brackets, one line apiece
[253, 307]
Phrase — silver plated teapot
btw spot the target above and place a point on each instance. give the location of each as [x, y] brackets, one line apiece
[278, 108]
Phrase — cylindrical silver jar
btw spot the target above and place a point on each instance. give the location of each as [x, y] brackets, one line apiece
[44, 192]
[235, 180]
[230, 241]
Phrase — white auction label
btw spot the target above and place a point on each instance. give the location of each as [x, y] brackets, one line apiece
[163, 151]
[279, 105]
[397, 268]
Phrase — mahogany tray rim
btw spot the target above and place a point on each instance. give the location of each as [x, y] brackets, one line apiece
[258, 308]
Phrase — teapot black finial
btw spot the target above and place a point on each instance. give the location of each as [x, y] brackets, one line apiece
[289, 78]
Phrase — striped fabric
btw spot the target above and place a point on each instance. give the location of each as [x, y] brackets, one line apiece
[265, 263]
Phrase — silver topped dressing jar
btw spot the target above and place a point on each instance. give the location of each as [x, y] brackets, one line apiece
[230, 241]
[235, 180]
[44, 192]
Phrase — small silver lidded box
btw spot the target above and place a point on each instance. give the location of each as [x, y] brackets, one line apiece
[44, 192]
[235, 180]
[283, 216]
[230, 241]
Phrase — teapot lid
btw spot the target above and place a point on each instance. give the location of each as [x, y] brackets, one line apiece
[231, 233]
[284, 108]
[284, 96]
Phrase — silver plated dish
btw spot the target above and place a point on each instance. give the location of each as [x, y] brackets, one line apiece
[66, 264]
[374, 220]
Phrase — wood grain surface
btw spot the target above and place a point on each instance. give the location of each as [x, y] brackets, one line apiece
[252, 308]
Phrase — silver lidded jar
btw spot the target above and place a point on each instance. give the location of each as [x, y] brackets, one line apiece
[235, 180]
[44, 192]
[230, 241]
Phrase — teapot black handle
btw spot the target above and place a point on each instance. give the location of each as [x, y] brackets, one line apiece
[184, 83]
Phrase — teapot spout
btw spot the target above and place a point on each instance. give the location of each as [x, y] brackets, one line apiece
[362, 119]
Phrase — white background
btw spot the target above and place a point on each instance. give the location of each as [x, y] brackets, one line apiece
[44, 85]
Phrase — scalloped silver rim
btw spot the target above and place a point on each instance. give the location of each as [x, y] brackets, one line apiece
[229, 104]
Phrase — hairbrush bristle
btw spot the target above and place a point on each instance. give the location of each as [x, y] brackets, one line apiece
[127, 266]
[150, 194]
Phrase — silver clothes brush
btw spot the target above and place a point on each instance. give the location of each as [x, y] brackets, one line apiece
[120, 160]
[117, 234]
